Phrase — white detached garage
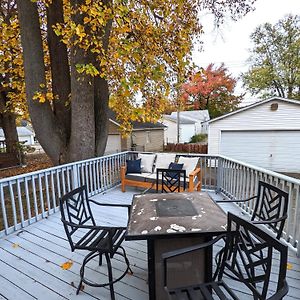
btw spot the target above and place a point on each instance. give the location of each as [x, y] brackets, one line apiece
[265, 134]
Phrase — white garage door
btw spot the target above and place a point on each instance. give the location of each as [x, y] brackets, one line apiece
[113, 144]
[273, 150]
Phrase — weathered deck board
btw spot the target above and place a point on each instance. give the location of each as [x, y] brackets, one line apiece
[30, 261]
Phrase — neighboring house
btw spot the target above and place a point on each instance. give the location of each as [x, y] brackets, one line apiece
[191, 122]
[199, 116]
[187, 128]
[144, 137]
[265, 134]
[25, 135]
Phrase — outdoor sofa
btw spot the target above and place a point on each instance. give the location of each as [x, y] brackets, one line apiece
[146, 177]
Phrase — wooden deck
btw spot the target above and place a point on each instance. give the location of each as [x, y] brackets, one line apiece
[31, 259]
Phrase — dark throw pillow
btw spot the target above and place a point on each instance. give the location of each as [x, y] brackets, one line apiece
[133, 166]
[174, 166]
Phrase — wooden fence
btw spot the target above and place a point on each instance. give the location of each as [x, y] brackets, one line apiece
[186, 148]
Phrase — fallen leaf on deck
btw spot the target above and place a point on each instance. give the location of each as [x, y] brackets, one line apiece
[289, 266]
[15, 245]
[67, 265]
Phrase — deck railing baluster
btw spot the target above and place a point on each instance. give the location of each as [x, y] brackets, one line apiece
[3, 207]
[47, 193]
[41, 195]
[27, 200]
[20, 202]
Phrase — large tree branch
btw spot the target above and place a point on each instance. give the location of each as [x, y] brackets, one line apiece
[102, 97]
[49, 134]
[60, 71]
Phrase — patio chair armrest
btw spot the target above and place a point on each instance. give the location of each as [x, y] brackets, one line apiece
[128, 206]
[108, 228]
[237, 200]
[178, 252]
[195, 172]
[270, 221]
[110, 204]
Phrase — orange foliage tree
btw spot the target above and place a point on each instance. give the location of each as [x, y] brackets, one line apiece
[211, 88]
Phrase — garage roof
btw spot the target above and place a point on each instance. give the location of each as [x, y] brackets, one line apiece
[136, 125]
[254, 105]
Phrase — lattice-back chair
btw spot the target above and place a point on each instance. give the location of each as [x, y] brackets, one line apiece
[243, 241]
[169, 181]
[84, 234]
[270, 208]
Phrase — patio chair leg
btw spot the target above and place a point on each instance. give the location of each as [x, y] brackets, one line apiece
[126, 260]
[100, 259]
[110, 277]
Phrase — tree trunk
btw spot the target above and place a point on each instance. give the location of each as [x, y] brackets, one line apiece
[60, 71]
[82, 142]
[48, 132]
[101, 114]
[8, 123]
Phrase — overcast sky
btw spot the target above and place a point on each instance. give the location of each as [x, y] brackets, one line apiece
[231, 43]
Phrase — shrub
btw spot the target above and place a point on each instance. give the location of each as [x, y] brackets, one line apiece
[201, 137]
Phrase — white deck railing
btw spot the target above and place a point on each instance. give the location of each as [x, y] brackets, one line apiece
[27, 198]
[238, 180]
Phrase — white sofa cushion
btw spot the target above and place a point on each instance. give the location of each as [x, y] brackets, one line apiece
[189, 163]
[147, 162]
[163, 160]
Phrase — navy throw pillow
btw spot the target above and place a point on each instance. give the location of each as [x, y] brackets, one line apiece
[133, 166]
[174, 166]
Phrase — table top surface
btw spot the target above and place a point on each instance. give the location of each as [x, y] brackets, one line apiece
[162, 215]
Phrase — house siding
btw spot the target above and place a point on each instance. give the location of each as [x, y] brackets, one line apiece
[260, 117]
[186, 131]
[149, 140]
[171, 131]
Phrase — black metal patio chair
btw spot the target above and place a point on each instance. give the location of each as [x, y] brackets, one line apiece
[241, 261]
[84, 234]
[169, 181]
[270, 207]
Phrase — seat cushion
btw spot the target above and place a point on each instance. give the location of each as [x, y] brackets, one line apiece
[163, 160]
[133, 166]
[189, 163]
[138, 177]
[147, 162]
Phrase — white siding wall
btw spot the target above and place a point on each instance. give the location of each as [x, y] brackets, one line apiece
[256, 118]
[186, 132]
[170, 135]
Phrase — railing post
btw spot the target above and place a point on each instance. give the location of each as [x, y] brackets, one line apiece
[75, 183]
[219, 174]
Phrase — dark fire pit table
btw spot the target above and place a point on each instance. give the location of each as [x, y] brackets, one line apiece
[173, 221]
